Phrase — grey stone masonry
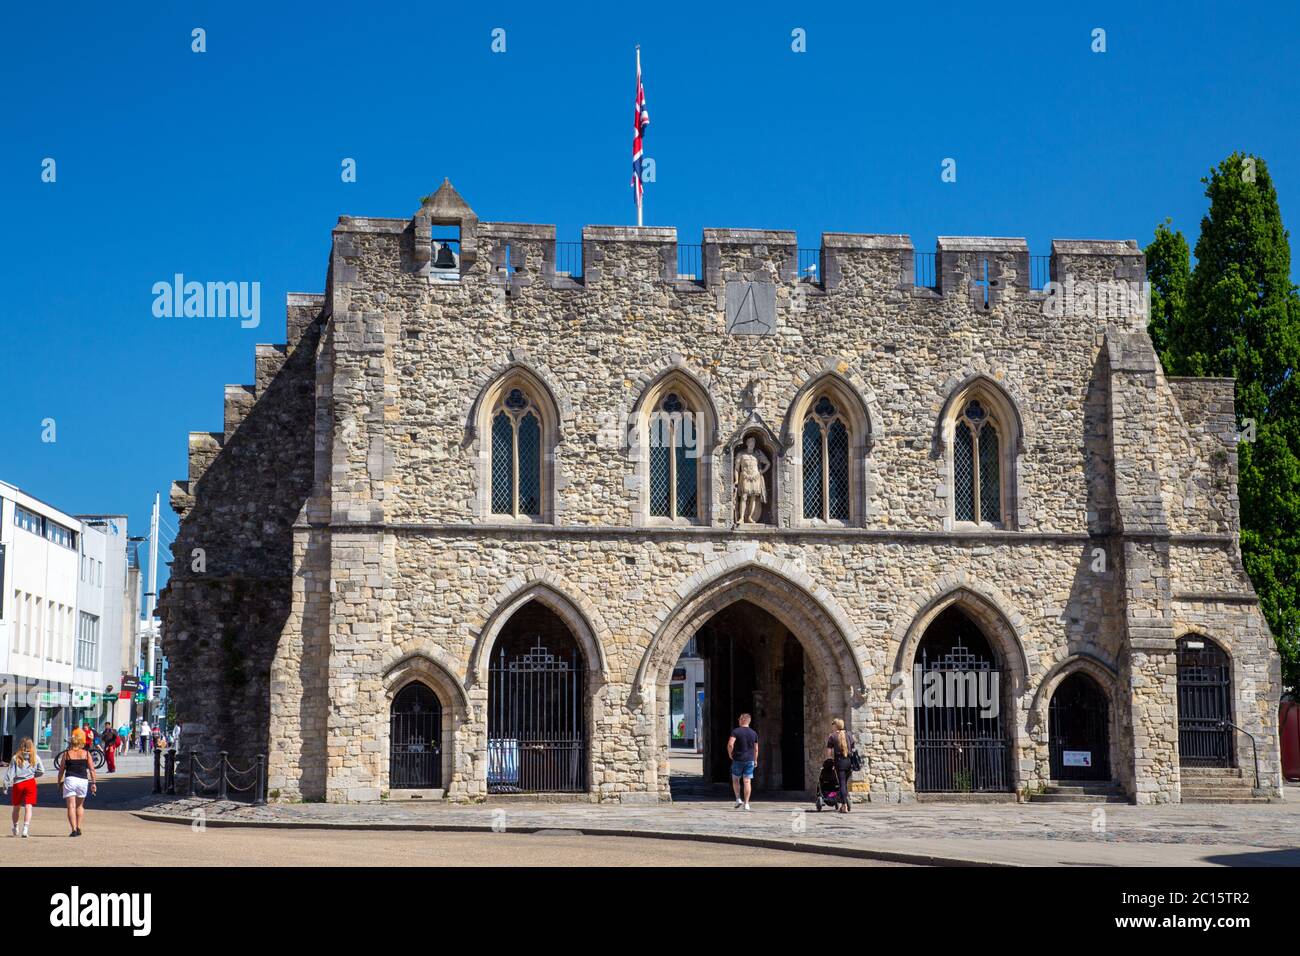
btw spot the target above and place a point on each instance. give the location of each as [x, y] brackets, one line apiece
[348, 508]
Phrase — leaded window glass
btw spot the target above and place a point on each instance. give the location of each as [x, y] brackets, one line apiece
[825, 453]
[517, 456]
[674, 460]
[976, 466]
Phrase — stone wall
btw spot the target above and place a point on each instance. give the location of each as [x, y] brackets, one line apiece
[1120, 535]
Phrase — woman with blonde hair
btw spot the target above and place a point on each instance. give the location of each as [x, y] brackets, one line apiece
[77, 774]
[20, 777]
[840, 748]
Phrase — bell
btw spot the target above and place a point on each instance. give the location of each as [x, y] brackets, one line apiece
[446, 258]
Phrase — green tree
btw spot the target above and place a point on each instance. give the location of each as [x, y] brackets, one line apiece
[1169, 271]
[1240, 318]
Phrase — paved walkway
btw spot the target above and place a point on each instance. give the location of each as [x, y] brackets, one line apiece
[1015, 834]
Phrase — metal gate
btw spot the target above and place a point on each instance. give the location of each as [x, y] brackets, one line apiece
[961, 744]
[415, 740]
[536, 741]
[1079, 730]
[1204, 704]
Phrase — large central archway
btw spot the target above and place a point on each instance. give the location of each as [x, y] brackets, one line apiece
[777, 646]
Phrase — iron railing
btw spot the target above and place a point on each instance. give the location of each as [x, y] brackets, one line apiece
[1254, 745]
[810, 265]
[690, 261]
[924, 270]
[568, 259]
[1040, 272]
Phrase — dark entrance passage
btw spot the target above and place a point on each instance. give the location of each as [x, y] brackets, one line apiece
[960, 714]
[415, 740]
[1204, 704]
[1079, 730]
[537, 707]
[752, 664]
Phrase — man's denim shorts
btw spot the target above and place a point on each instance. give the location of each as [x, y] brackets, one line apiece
[742, 768]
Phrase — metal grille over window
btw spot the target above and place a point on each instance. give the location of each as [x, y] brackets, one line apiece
[976, 466]
[990, 490]
[837, 466]
[502, 464]
[530, 465]
[517, 456]
[660, 475]
[963, 472]
[687, 489]
[812, 469]
[674, 460]
[826, 480]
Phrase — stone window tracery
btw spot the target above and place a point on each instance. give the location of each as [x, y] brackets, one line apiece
[977, 465]
[674, 442]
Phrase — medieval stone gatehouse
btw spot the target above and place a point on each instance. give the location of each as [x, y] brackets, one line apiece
[458, 533]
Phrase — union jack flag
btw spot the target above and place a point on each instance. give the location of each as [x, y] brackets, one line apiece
[639, 123]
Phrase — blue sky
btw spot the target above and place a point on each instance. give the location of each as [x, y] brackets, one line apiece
[225, 165]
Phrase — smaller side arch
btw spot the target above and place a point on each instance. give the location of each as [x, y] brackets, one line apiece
[985, 604]
[578, 614]
[1103, 672]
[430, 665]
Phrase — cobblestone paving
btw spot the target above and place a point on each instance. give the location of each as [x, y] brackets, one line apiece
[1082, 833]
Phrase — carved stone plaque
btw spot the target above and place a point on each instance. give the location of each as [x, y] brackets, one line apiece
[751, 307]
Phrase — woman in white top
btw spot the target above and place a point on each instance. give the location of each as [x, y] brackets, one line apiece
[20, 777]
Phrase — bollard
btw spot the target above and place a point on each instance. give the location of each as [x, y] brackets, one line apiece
[169, 774]
[259, 798]
[222, 763]
[191, 783]
[157, 772]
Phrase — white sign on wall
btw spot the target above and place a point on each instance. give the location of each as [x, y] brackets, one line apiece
[1077, 758]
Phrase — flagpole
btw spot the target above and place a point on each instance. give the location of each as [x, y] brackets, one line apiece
[639, 188]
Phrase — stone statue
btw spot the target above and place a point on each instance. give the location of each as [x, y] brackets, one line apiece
[751, 487]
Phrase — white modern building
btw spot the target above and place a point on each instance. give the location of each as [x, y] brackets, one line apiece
[63, 588]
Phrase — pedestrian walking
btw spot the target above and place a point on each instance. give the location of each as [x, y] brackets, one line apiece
[20, 781]
[123, 738]
[77, 775]
[109, 739]
[144, 736]
[742, 748]
[839, 748]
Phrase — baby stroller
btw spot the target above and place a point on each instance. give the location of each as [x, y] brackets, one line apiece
[828, 787]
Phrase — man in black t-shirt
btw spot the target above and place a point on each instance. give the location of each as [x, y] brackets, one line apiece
[742, 748]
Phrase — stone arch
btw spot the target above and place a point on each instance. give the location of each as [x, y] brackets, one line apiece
[421, 667]
[808, 612]
[675, 375]
[957, 389]
[1003, 629]
[1103, 672]
[557, 415]
[858, 395]
[864, 424]
[577, 613]
[431, 664]
[780, 588]
[649, 383]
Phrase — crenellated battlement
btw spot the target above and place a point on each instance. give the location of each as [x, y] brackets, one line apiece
[519, 256]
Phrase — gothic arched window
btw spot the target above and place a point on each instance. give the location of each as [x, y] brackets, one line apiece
[675, 454]
[976, 465]
[516, 455]
[825, 455]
